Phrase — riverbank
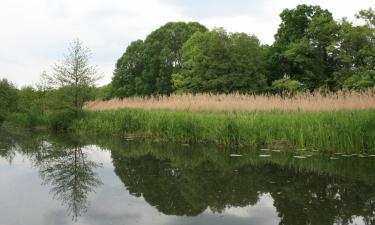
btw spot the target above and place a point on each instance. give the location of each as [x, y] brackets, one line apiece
[343, 131]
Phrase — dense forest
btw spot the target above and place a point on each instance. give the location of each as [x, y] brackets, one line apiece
[311, 51]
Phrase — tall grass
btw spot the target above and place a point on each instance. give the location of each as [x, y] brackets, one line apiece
[245, 103]
[343, 131]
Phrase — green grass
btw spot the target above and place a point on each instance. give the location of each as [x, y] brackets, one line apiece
[346, 131]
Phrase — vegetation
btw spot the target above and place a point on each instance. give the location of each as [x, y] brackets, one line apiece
[146, 67]
[74, 76]
[311, 49]
[314, 64]
[350, 132]
[8, 99]
[286, 100]
[218, 62]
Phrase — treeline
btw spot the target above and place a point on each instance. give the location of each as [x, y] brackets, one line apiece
[311, 51]
[40, 106]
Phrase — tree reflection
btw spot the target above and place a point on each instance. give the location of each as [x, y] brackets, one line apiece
[71, 175]
[300, 197]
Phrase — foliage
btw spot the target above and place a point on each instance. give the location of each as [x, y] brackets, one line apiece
[286, 85]
[147, 66]
[310, 46]
[361, 81]
[8, 98]
[303, 47]
[104, 93]
[346, 131]
[74, 77]
[218, 62]
[60, 120]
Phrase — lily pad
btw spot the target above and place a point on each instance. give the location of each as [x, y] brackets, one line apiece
[276, 150]
[300, 157]
[264, 156]
[333, 158]
[235, 155]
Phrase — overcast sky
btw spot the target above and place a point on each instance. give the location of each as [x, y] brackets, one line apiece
[36, 33]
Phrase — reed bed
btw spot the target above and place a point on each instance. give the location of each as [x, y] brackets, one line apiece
[343, 131]
[308, 102]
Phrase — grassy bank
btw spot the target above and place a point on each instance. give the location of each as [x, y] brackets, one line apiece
[342, 131]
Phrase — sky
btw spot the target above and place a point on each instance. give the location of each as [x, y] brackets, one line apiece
[34, 34]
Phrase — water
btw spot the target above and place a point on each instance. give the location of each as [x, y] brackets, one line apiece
[65, 179]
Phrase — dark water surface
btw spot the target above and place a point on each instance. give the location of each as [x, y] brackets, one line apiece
[50, 179]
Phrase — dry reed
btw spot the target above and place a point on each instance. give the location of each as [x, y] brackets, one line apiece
[245, 103]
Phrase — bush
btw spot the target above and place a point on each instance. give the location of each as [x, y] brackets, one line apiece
[286, 85]
[360, 81]
[28, 120]
[2, 118]
[60, 120]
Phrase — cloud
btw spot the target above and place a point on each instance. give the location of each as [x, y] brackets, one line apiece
[36, 33]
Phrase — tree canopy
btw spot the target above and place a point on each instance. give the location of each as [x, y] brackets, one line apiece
[219, 62]
[147, 66]
[311, 48]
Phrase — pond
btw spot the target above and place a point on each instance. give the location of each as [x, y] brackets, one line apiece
[68, 179]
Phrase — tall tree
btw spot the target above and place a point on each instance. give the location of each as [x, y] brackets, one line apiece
[8, 98]
[221, 63]
[355, 53]
[146, 67]
[127, 78]
[75, 75]
[301, 46]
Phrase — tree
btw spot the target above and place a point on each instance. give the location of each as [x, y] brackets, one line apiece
[8, 98]
[355, 54]
[368, 15]
[147, 66]
[219, 62]
[286, 86]
[302, 47]
[74, 76]
[127, 78]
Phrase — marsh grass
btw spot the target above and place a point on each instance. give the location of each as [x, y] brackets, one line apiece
[312, 102]
[342, 131]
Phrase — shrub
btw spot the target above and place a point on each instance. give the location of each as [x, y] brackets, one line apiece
[286, 85]
[360, 81]
[60, 120]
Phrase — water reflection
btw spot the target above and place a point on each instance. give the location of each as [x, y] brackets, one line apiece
[71, 175]
[62, 165]
[194, 183]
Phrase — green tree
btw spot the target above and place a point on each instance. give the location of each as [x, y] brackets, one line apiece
[302, 47]
[74, 77]
[146, 67]
[368, 15]
[286, 86]
[127, 78]
[355, 54]
[8, 98]
[219, 62]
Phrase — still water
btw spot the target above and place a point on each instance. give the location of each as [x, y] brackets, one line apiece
[64, 179]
